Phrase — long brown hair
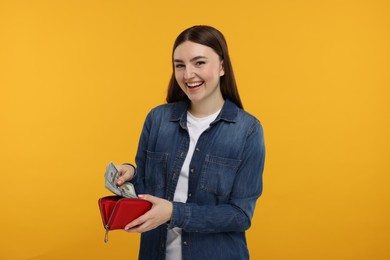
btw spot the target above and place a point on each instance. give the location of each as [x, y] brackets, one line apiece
[211, 37]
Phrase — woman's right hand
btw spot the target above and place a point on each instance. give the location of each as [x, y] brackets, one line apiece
[126, 172]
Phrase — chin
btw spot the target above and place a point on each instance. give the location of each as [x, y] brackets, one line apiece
[194, 98]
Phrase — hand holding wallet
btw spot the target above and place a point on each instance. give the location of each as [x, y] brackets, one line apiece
[117, 212]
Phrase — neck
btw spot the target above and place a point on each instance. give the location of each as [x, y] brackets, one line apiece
[205, 108]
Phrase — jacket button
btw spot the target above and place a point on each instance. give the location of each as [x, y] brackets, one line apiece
[185, 243]
[189, 195]
[197, 149]
[192, 170]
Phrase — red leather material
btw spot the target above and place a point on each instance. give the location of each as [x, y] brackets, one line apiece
[117, 211]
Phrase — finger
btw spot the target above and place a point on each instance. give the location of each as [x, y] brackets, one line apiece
[125, 177]
[137, 229]
[122, 170]
[126, 173]
[146, 226]
[133, 224]
[148, 197]
[121, 180]
[138, 221]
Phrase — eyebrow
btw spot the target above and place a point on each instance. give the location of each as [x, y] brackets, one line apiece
[191, 60]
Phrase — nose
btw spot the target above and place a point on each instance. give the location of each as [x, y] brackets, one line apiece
[189, 72]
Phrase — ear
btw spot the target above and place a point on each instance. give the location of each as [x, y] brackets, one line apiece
[221, 69]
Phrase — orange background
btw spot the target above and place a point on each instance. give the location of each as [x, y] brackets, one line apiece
[77, 79]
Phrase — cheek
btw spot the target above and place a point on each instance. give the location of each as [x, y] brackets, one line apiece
[212, 76]
[213, 72]
[177, 77]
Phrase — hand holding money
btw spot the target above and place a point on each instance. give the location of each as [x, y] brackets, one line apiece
[114, 179]
[126, 173]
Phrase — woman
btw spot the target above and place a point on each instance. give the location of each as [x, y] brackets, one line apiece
[200, 159]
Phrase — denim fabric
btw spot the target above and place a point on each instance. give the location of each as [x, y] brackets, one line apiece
[224, 183]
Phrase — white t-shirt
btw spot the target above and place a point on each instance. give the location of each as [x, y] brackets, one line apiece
[196, 126]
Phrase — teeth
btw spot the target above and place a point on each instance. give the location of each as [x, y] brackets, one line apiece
[194, 84]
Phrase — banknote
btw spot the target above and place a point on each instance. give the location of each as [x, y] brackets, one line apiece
[125, 190]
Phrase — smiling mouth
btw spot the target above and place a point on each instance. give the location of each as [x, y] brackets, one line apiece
[194, 84]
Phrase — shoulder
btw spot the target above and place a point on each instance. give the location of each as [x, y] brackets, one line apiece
[251, 122]
[163, 108]
[243, 115]
[169, 111]
[231, 112]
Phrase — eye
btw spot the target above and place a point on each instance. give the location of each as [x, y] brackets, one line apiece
[200, 63]
[179, 66]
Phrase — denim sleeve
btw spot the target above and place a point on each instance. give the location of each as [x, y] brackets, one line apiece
[236, 215]
[139, 178]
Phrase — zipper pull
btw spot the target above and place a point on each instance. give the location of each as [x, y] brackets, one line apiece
[106, 235]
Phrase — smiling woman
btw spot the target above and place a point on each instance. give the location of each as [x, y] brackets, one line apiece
[206, 152]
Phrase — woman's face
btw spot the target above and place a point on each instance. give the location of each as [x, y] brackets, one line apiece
[198, 69]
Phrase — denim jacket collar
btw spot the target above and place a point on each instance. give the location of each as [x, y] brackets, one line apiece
[228, 112]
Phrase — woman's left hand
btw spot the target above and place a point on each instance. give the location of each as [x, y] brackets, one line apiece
[160, 213]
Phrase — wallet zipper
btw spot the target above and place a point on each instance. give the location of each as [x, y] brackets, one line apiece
[108, 227]
[109, 221]
[106, 235]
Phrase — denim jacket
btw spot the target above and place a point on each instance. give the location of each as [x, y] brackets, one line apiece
[224, 183]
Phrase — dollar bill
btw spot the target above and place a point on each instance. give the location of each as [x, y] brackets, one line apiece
[112, 175]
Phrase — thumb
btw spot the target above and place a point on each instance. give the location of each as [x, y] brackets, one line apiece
[148, 197]
[124, 176]
[121, 180]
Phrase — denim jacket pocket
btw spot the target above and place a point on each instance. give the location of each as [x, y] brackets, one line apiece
[155, 170]
[218, 174]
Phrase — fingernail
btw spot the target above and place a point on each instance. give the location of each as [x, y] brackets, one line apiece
[140, 196]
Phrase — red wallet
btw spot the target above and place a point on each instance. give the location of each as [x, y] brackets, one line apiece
[117, 211]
